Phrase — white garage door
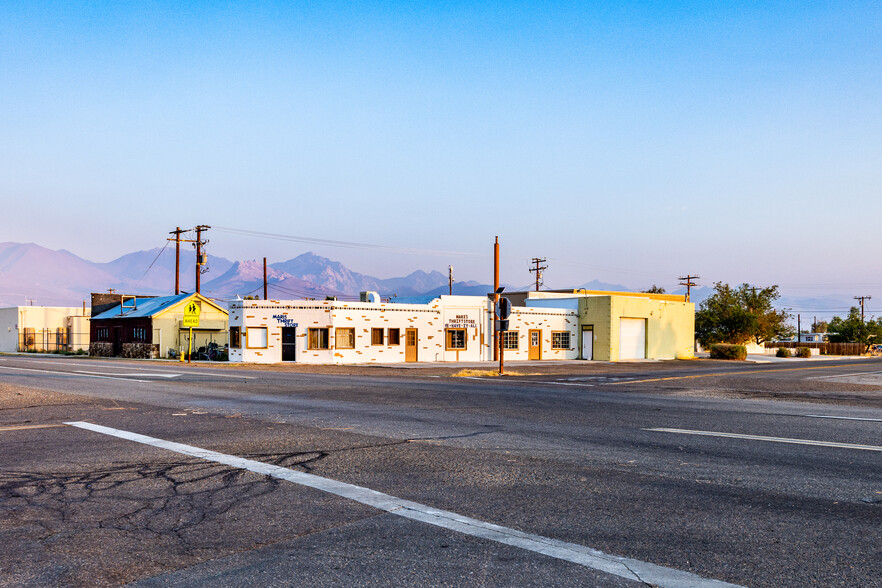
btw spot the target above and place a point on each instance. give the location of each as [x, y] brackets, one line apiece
[632, 338]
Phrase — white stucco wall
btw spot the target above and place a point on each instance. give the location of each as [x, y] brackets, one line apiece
[470, 313]
[45, 321]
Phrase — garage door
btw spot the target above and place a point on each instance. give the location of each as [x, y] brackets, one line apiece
[632, 338]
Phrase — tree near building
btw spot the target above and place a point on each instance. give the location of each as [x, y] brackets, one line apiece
[739, 315]
[654, 290]
[853, 329]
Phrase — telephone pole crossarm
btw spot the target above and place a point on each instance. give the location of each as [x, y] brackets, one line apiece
[538, 269]
[687, 281]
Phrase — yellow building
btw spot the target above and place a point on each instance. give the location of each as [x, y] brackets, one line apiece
[626, 325]
[153, 326]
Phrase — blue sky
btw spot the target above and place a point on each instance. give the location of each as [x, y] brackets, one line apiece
[628, 142]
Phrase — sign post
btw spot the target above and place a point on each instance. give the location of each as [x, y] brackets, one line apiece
[191, 319]
[503, 311]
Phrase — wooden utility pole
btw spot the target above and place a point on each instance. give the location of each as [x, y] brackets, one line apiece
[862, 298]
[538, 269]
[177, 239]
[265, 297]
[687, 281]
[495, 296]
[450, 279]
[199, 261]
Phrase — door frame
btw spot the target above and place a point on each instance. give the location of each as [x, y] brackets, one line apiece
[530, 347]
[587, 329]
[292, 345]
[408, 348]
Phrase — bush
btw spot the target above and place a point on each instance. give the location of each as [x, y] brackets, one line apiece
[803, 352]
[783, 352]
[725, 351]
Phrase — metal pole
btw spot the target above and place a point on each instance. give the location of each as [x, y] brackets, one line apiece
[190, 342]
[495, 296]
[265, 297]
[198, 257]
[177, 260]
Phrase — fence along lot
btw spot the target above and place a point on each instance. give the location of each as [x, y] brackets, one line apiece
[826, 348]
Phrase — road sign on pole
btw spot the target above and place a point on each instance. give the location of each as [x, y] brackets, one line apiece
[504, 309]
[191, 315]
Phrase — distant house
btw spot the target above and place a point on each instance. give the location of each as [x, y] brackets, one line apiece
[812, 337]
[150, 327]
[44, 328]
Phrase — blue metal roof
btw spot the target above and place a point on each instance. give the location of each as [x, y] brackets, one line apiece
[144, 307]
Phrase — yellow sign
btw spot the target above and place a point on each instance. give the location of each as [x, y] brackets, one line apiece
[191, 314]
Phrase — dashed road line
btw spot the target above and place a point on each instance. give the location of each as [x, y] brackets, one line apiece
[771, 439]
[622, 567]
[738, 373]
[842, 418]
[138, 375]
[73, 374]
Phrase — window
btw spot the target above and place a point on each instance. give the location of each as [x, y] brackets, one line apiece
[376, 336]
[344, 338]
[235, 338]
[510, 340]
[560, 340]
[394, 337]
[255, 337]
[139, 334]
[456, 339]
[103, 333]
[318, 338]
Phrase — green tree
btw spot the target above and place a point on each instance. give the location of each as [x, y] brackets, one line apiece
[742, 314]
[819, 327]
[654, 290]
[853, 329]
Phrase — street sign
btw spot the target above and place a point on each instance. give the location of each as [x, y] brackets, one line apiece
[191, 315]
[504, 309]
[501, 325]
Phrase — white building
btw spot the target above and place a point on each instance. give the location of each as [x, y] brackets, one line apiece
[44, 328]
[449, 328]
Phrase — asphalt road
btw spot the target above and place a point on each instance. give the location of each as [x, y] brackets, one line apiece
[696, 467]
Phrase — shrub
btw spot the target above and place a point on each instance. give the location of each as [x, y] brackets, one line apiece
[725, 351]
[783, 352]
[803, 352]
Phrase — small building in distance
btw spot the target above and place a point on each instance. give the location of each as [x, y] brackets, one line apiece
[152, 326]
[44, 329]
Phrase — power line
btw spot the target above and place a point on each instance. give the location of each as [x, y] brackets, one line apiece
[347, 244]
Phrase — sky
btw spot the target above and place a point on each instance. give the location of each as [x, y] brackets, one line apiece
[631, 143]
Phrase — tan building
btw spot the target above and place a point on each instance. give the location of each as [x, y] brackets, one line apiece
[618, 326]
[44, 328]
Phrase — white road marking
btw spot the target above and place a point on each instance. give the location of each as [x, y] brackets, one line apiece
[847, 375]
[140, 375]
[622, 567]
[827, 416]
[772, 439]
[71, 374]
[569, 384]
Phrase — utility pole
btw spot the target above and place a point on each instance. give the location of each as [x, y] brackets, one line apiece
[862, 298]
[495, 295]
[199, 261]
[538, 269]
[450, 279]
[687, 281]
[798, 328]
[177, 239]
[265, 297]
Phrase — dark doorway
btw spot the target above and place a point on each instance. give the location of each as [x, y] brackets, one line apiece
[289, 343]
[117, 340]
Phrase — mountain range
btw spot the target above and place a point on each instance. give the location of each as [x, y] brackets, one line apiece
[31, 274]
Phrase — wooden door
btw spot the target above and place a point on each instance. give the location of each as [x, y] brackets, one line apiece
[410, 345]
[535, 337]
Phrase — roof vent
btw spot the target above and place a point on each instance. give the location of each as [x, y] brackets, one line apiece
[371, 297]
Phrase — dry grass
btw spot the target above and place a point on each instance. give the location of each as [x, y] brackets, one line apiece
[483, 373]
